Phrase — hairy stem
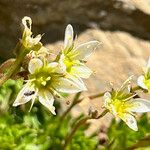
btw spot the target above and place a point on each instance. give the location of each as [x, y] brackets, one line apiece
[15, 67]
[78, 125]
[69, 137]
[141, 143]
[102, 114]
[96, 95]
[10, 73]
[77, 100]
[135, 88]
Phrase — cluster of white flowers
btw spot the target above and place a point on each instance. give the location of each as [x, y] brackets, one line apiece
[47, 78]
[50, 78]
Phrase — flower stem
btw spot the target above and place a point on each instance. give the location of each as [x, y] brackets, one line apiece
[10, 73]
[136, 88]
[15, 67]
[96, 95]
[77, 100]
[73, 103]
[144, 142]
[78, 125]
[69, 137]
[102, 114]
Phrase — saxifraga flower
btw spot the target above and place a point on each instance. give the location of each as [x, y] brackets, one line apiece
[122, 104]
[45, 81]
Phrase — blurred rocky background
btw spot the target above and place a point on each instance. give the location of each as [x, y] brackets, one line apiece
[51, 17]
[123, 26]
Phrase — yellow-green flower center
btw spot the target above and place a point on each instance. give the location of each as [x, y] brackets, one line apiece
[41, 78]
[118, 107]
[69, 63]
[147, 83]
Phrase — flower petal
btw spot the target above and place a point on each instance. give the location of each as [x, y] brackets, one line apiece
[61, 62]
[126, 86]
[81, 71]
[83, 51]
[107, 99]
[68, 37]
[140, 82]
[107, 95]
[26, 20]
[47, 99]
[33, 41]
[65, 85]
[78, 81]
[32, 102]
[53, 64]
[34, 64]
[140, 105]
[130, 121]
[26, 94]
[148, 63]
[57, 67]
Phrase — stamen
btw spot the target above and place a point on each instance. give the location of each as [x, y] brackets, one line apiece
[131, 97]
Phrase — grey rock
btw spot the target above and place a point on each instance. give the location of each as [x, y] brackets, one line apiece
[51, 17]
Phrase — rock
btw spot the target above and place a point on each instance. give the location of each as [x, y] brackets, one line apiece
[143, 5]
[51, 16]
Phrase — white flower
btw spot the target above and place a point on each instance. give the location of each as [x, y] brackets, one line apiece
[144, 80]
[45, 80]
[122, 105]
[73, 57]
[27, 39]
